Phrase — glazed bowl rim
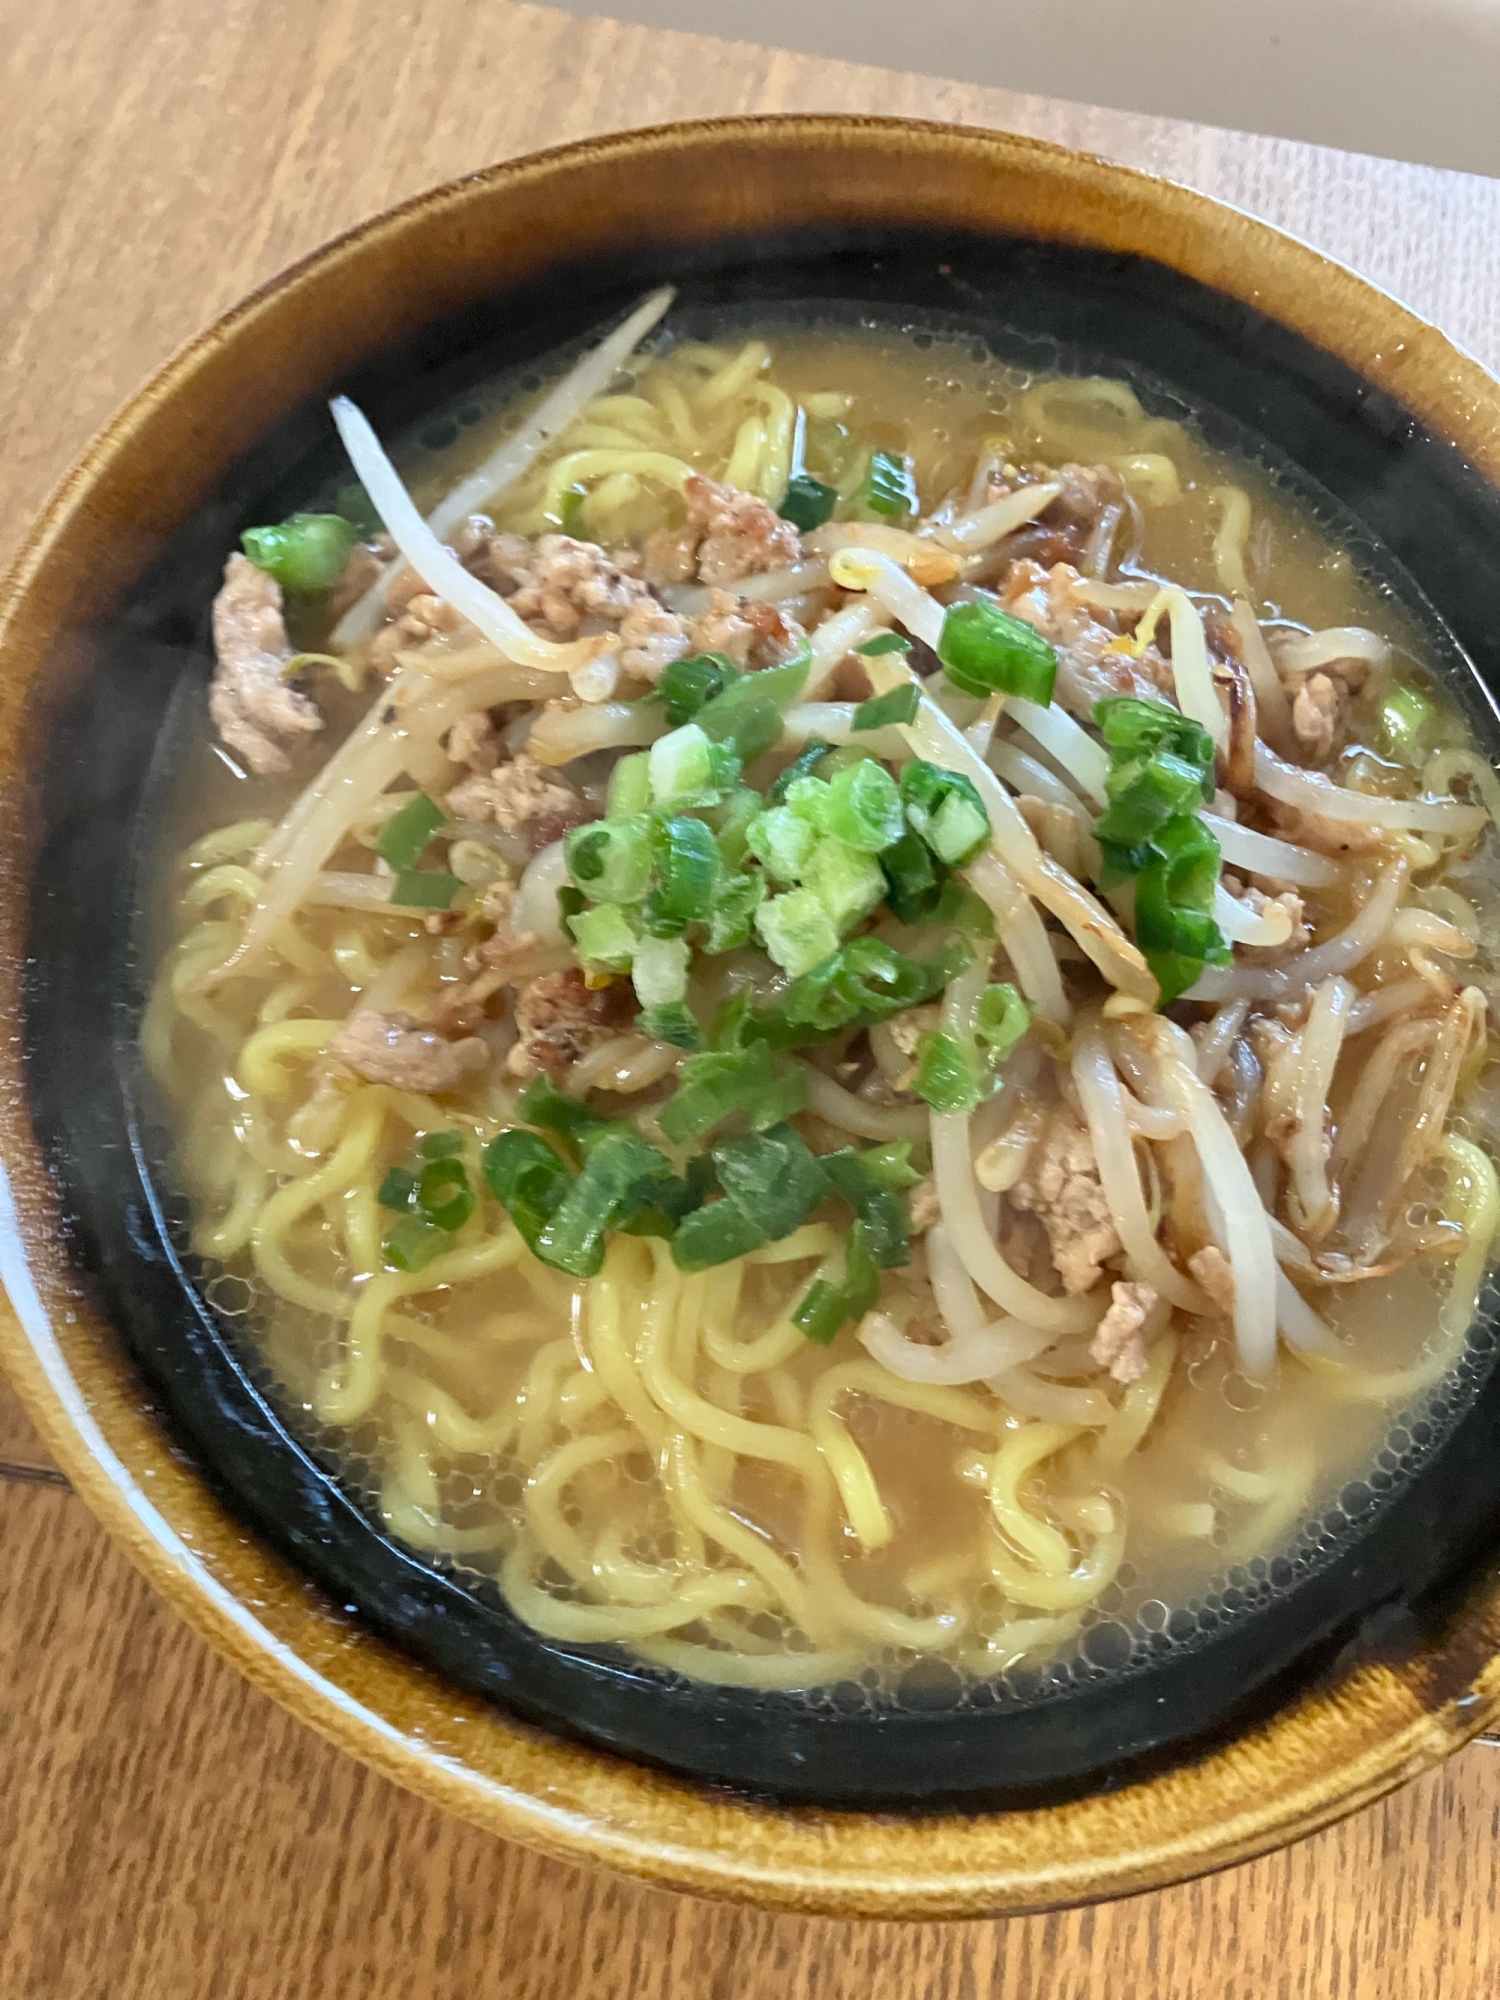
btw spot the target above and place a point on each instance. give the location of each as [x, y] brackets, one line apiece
[1269, 1785]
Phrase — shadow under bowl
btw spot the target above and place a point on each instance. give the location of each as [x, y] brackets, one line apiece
[1379, 1654]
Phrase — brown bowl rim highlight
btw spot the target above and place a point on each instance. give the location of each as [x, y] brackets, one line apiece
[1326, 1753]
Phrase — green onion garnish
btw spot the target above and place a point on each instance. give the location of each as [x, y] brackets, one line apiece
[407, 832]
[412, 1243]
[1174, 897]
[630, 786]
[1404, 717]
[802, 766]
[577, 1125]
[306, 554]
[771, 1184]
[846, 881]
[687, 869]
[398, 1190]
[747, 715]
[659, 971]
[716, 1085]
[673, 1023]
[945, 809]
[796, 930]
[807, 502]
[826, 1307]
[897, 704]
[688, 768]
[1135, 728]
[1144, 793]
[782, 842]
[414, 889]
[864, 807]
[885, 642]
[440, 1145]
[527, 1179]
[619, 1176]
[731, 916]
[444, 1195]
[688, 685]
[986, 651]
[605, 935]
[888, 487]
[610, 859]
[875, 1203]
[913, 880]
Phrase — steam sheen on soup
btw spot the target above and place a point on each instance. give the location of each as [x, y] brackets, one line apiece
[828, 1004]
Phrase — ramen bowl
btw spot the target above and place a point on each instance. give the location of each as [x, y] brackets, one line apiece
[1383, 1657]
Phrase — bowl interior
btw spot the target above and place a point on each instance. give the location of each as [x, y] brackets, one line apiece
[1369, 1579]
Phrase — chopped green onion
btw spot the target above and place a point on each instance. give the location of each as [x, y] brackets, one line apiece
[630, 786]
[358, 509]
[414, 889]
[412, 1243]
[826, 1307]
[884, 642]
[890, 1164]
[888, 486]
[610, 859]
[950, 1076]
[407, 832]
[771, 1184]
[808, 799]
[896, 705]
[576, 1124]
[688, 685]
[306, 554]
[570, 513]
[1144, 793]
[913, 880]
[687, 869]
[732, 914]
[747, 715]
[673, 1023]
[1174, 895]
[527, 1179]
[959, 906]
[868, 982]
[731, 825]
[796, 930]
[875, 1203]
[687, 768]
[802, 766]
[1001, 1019]
[1134, 728]
[987, 651]
[713, 1086]
[398, 1190]
[782, 842]
[605, 936]
[444, 1195]
[1404, 716]
[847, 882]
[440, 1145]
[620, 1175]
[660, 971]
[864, 807]
[807, 502]
[945, 809]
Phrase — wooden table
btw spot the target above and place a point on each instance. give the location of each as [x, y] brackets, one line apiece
[165, 1833]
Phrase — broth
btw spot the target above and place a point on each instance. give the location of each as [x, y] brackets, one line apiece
[658, 1456]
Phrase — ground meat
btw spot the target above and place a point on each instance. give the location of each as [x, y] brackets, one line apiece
[908, 1028]
[559, 1019]
[395, 1049]
[1061, 1185]
[473, 741]
[569, 588]
[1292, 903]
[1211, 1268]
[1091, 664]
[728, 535]
[1321, 699]
[252, 705]
[1118, 1343]
[922, 1206]
[752, 635]
[522, 798]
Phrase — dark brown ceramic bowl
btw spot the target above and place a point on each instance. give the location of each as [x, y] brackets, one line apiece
[1377, 1659]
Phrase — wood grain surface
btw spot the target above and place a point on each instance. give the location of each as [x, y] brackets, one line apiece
[165, 1832]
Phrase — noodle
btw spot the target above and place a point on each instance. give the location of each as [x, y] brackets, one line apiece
[1045, 1310]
